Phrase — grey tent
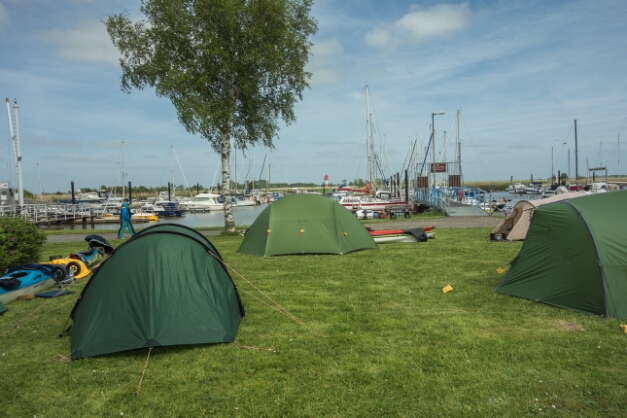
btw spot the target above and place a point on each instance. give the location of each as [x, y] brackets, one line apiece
[516, 224]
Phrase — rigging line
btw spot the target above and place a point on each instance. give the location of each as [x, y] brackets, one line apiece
[341, 156]
[471, 143]
[26, 319]
[447, 138]
[165, 164]
[586, 142]
[285, 311]
[264, 302]
[181, 167]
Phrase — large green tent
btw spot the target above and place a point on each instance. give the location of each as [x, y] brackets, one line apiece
[575, 256]
[164, 286]
[305, 224]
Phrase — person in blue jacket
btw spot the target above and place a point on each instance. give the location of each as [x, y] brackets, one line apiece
[125, 220]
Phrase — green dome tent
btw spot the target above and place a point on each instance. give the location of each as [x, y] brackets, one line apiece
[305, 224]
[161, 287]
[575, 256]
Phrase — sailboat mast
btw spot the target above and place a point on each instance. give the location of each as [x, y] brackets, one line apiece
[576, 156]
[172, 171]
[458, 151]
[17, 154]
[41, 190]
[552, 165]
[368, 136]
[123, 172]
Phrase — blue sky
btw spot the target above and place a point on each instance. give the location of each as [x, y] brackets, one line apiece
[520, 71]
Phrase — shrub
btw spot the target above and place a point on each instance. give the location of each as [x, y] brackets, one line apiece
[21, 242]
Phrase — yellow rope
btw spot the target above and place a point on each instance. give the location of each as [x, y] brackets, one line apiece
[247, 347]
[280, 308]
[139, 386]
[26, 319]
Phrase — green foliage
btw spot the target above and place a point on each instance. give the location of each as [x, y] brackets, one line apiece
[21, 242]
[231, 68]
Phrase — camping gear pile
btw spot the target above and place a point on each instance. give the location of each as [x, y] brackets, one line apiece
[27, 279]
[24, 281]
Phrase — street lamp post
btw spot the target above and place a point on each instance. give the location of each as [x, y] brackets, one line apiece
[433, 143]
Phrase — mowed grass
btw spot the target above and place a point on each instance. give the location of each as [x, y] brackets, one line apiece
[380, 339]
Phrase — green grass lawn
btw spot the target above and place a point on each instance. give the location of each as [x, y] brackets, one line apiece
[380, 339]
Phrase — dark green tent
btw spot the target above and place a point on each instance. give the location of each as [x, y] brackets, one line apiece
[575, 256]
[305, 224]
[164, 286]
[3, 308]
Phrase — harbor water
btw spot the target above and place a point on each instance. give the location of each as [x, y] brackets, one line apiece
[244, 216]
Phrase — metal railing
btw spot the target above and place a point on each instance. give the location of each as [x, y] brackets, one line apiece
[43, 212]
[442, 198]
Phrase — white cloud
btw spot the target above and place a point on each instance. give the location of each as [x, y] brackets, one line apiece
[324, 64]
[438, 21]
[421, 24]
[4, 16]
[89, 41]
[379, 38]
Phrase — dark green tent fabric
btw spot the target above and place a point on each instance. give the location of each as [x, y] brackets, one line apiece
[305, 224]
[161, 287]
[3, 308]
[575, 256]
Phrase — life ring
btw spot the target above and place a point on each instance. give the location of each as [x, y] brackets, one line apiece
[461, 194]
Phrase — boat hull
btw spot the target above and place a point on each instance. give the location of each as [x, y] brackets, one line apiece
[27, 279]
[385, 236]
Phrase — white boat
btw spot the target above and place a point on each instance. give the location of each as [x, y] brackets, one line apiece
[202, 202]
[241, 202]
[362, 202]
[365, 214]
[598, 187]
[517, 188]
[534, 188]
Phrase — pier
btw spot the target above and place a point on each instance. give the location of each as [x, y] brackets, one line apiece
[46, 215]
[453, 201]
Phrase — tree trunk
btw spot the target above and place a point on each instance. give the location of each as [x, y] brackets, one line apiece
[229, 221]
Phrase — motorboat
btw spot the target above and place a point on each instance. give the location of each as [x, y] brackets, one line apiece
[202, 202]
[517, 188]
[352, 202]
[534, 188]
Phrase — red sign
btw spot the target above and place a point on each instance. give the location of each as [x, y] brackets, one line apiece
[438, 167]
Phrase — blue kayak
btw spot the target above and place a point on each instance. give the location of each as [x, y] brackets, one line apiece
[31, 278]
[88, 257]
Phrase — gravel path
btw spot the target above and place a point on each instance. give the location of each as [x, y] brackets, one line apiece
[445, 222]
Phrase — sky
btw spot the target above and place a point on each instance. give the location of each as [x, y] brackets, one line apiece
[520, 72]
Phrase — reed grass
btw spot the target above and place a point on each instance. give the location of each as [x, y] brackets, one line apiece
[380, 339]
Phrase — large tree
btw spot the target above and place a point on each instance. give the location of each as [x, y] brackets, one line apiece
[232, 68]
